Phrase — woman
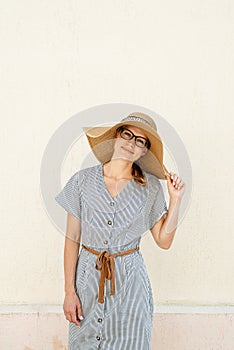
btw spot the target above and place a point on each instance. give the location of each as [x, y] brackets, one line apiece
[108, 296]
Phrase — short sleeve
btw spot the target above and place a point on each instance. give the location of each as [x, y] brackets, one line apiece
[70, 196]
[159, 206]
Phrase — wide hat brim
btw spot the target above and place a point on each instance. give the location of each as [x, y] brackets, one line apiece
[101, 140]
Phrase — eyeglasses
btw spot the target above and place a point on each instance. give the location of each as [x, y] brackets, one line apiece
[140, 141]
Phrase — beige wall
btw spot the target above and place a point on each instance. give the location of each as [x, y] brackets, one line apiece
[176, 58]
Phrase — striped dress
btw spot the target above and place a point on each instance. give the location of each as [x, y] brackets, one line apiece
[124, 320]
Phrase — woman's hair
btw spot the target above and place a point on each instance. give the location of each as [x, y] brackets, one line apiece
[137, 173]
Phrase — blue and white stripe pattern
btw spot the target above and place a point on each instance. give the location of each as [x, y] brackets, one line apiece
[124, 320]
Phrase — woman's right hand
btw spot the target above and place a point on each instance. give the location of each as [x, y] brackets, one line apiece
[72, 308]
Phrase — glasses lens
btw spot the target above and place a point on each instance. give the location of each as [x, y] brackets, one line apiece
[140, 142]
[127, 135]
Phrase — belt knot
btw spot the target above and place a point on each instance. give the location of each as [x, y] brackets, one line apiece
[106, 265]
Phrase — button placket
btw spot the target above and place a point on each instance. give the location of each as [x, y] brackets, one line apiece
[110, 221]
[99, 316]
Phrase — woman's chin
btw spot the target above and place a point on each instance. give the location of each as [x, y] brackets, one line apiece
[123, 156]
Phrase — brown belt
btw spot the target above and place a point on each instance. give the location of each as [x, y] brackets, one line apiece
[107, 268]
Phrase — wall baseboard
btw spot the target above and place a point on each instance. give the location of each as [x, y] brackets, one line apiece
[161, 309]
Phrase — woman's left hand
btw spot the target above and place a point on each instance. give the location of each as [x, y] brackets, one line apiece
[175, 186]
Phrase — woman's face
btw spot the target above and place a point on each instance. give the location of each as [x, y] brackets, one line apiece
[127, 149]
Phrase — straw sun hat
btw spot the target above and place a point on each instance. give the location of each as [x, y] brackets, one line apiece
[101, 140]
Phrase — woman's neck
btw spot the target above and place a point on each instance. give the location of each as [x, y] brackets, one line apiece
[118, 169]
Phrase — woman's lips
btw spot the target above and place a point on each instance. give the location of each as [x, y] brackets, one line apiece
[127, 150]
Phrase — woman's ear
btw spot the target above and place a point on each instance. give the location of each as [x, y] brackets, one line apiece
[117, 132]
[145, 150]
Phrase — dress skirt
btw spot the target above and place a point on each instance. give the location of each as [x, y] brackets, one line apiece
[124, 320]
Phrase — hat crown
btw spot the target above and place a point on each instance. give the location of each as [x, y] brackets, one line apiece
[141, 117]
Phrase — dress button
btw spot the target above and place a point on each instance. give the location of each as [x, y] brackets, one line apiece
[109, 222]
[100, 320]
[97, 337]
[112, 203]
[105, 242]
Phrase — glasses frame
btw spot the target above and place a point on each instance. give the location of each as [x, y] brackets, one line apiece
[121, 129]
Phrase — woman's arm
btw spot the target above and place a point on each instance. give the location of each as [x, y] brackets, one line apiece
[72, 306]
[71, 252]
[164, 230]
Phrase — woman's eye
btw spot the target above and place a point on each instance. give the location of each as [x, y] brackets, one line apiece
[127, 134]
[141, 142]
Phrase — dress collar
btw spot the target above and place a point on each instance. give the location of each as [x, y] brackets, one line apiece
[131, 193]
[102, 185]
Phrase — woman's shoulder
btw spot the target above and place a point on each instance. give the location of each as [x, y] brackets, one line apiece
[85, 174]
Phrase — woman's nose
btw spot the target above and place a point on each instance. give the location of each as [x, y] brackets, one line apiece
[131, 142]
